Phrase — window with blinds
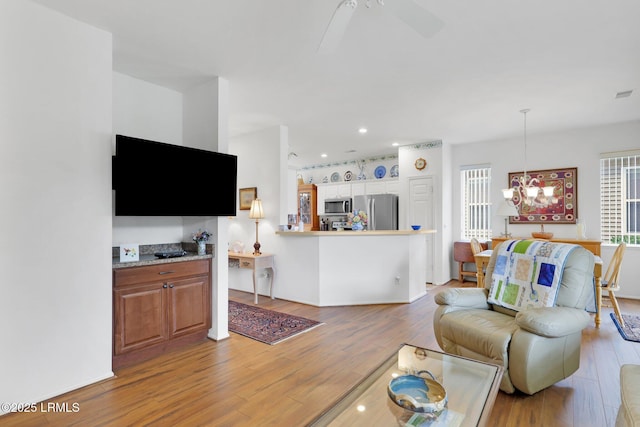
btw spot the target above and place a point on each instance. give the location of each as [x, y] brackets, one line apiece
[620, 197]
[476, 203]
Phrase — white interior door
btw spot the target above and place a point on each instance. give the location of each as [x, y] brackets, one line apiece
[421, 212]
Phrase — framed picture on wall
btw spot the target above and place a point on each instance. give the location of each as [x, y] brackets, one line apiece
[561, 208]
[247, 195]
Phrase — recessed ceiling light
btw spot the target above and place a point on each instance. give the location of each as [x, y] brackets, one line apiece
[323, 155]
[362, 130]
[624, 94]
[395, 144]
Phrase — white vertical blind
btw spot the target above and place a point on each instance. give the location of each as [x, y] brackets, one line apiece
[476, 203]
[620, 197]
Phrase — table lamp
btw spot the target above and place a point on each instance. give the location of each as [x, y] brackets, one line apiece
[256, 213]
[506, 210]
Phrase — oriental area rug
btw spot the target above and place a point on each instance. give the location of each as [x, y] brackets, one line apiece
[267, 326]
[631, 330]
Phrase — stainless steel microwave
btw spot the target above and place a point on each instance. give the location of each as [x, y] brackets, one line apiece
[337, 206]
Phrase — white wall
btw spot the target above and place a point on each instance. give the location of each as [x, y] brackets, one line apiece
[148, 111]
[145, 110]
[435, 154]
[579, 148]
[55, 186]
[262, 163]
[206, 126]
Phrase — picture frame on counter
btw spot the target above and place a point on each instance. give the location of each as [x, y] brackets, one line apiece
[129, 252]
[246, 196]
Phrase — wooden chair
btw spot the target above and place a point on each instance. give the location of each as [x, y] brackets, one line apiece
[610, 280]
[463, 254]
[476, 247]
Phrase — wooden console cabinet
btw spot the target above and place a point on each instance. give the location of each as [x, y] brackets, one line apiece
[590, 245]
[158, 308]
[308, 206]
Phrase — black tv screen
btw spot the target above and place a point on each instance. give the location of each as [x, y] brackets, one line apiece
[152, 178]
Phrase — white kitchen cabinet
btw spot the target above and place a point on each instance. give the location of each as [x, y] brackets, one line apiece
[336, 190]
[321, 194]
[375, 187]
[332, 191]
[357, 189]
[393, 187]
[344, 190]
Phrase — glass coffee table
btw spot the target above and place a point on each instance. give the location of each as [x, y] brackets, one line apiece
[471, 388]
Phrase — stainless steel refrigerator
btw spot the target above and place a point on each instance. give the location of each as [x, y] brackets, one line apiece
[382, 210]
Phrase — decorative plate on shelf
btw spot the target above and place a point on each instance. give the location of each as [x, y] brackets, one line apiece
[380, 172]
[394, 171]
[335, 177]
[348, 176]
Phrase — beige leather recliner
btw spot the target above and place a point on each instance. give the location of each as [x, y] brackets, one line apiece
[629, 412]
[537, 347]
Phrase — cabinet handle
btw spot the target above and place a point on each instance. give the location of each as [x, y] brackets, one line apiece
[166, 272]
[171, 285]
[164, 286]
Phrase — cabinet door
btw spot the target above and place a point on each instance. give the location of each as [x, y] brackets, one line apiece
[357, 189]
[140, 317]
[344, 190]
[376, 187]
[322, 194]
[393, 187]
[189, 306]
[304, 206]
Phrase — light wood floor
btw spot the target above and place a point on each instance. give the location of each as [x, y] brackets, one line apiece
[241, 382]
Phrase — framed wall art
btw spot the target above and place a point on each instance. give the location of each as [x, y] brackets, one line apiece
[561, 208]
[247, 195]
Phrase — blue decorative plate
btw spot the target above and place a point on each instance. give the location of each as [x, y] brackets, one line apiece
[380, 172]
[335, 177]
[394, 171]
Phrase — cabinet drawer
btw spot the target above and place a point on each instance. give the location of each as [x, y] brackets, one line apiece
[159, 272]
[246, 263]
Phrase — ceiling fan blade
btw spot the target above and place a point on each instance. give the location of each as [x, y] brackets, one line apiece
[337, 26]
[422, 21]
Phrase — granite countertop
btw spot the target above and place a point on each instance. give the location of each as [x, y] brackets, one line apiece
[147, 256]
[153, 260]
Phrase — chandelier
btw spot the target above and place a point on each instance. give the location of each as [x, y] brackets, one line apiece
[527, 189]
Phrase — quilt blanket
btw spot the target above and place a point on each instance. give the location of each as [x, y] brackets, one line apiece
[528, 273]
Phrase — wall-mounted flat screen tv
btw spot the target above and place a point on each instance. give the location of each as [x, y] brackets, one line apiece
[152, 178]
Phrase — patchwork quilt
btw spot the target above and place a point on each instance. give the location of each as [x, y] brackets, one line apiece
[528, 273]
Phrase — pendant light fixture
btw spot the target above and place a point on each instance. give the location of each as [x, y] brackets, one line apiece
[528, 189]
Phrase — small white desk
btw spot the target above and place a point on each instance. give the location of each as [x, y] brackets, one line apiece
[256, 262]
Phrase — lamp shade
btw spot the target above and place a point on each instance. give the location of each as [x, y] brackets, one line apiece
[508, 193]
[256, 211]
[507, 209]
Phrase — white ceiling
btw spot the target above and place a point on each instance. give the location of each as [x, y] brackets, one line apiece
[565, 60]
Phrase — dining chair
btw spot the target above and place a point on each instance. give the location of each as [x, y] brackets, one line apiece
[610, 280]
[476, 247]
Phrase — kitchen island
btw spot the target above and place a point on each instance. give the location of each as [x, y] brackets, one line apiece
[331, 268]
